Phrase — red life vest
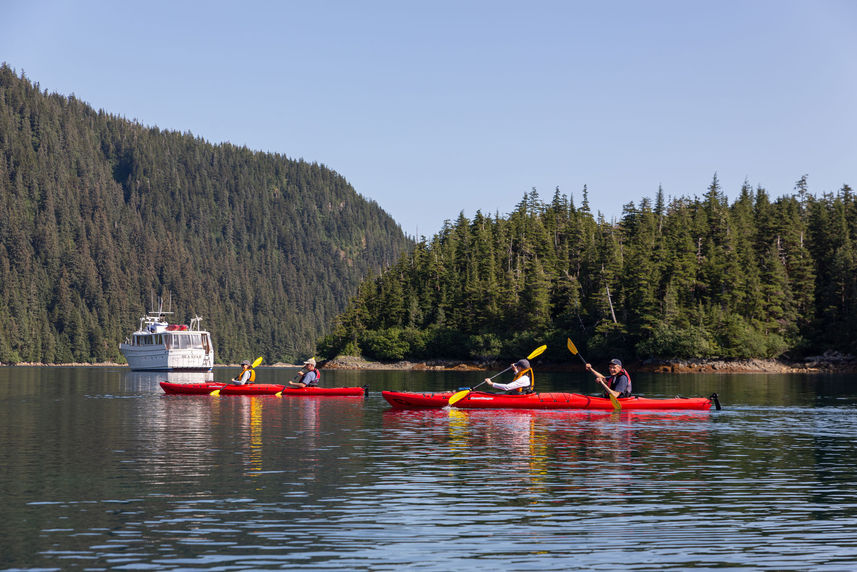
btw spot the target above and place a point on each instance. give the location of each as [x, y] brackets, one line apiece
[612, 380]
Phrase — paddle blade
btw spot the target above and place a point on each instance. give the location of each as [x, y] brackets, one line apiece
[215, 392]
[456, 397]
[538, 351]
[616, 405]
[571, 346]
[256, 362]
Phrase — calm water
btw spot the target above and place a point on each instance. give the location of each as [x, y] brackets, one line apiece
[101, 470]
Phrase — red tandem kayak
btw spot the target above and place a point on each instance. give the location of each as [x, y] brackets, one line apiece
[481, 400]
[258, 389]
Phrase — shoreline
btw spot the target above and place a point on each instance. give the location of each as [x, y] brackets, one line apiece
[829, 362]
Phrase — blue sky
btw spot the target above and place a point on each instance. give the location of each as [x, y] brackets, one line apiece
[434, 108]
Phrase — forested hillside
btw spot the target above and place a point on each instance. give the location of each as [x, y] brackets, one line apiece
[98, 213]
[685, 277]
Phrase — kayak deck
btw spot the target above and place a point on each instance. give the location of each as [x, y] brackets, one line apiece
[483, 400]
[258, 389]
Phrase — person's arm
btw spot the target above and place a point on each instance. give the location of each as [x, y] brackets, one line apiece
[600, 380]
[523, 381]
[245, 377]
[300, 375]
[598, 376]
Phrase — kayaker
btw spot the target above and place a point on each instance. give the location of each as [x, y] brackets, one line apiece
[619, 381]
[247, 375]
[309, 375]
[523, 381]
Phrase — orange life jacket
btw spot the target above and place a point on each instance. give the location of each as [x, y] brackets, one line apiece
[521, 374]
[252, 377]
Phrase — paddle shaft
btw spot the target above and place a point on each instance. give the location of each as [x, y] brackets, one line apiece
[613, 399]
[492, 377]
[458, 396]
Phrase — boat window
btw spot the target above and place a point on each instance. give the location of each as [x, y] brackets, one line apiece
[187, 341]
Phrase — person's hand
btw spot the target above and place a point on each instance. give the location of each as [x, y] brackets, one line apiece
[489, 382]
[589, 367]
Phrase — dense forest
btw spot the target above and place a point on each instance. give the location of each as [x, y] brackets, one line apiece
[98, 214]
[673, 278]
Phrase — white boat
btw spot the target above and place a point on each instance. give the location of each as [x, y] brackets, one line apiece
[161, 346]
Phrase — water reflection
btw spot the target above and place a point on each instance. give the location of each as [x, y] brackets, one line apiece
[521, 449]
[138, 381]
[98, 475]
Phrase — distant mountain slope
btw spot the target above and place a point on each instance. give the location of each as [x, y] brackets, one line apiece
[97, 213]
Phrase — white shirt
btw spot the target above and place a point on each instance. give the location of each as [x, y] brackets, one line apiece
[523, 381]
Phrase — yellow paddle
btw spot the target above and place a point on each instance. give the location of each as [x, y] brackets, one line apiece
[456, 397]
[610, 393]
[253, 365]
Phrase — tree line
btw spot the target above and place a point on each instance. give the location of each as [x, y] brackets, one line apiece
[98, 213]
[672, 278]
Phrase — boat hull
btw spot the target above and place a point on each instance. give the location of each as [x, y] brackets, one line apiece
[482, 400]
[258, 389]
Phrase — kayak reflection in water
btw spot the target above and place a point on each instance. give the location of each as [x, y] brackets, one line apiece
[247, 374]
[523, 382]
[618, 382]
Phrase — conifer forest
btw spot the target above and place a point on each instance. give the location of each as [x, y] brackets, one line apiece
[283, 258]
[99, 214]
[672, 279]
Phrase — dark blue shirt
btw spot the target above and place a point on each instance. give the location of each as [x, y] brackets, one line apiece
[620, 383]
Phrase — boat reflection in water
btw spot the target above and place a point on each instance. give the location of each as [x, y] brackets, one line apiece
[147, 381]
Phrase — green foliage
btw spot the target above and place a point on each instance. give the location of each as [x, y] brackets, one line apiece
[685, 278]
[280, 257]
[671, 341]
[385, 345]
[98, 213]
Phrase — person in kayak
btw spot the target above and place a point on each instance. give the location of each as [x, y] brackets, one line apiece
[246, 376]
[523, 382]
[309, 375]
[618, 382]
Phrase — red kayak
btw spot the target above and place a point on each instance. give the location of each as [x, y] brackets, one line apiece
[225, 388]
[330, 391]
[257, 389]
[481, 400]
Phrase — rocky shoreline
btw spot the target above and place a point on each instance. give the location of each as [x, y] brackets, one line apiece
[829, 362]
